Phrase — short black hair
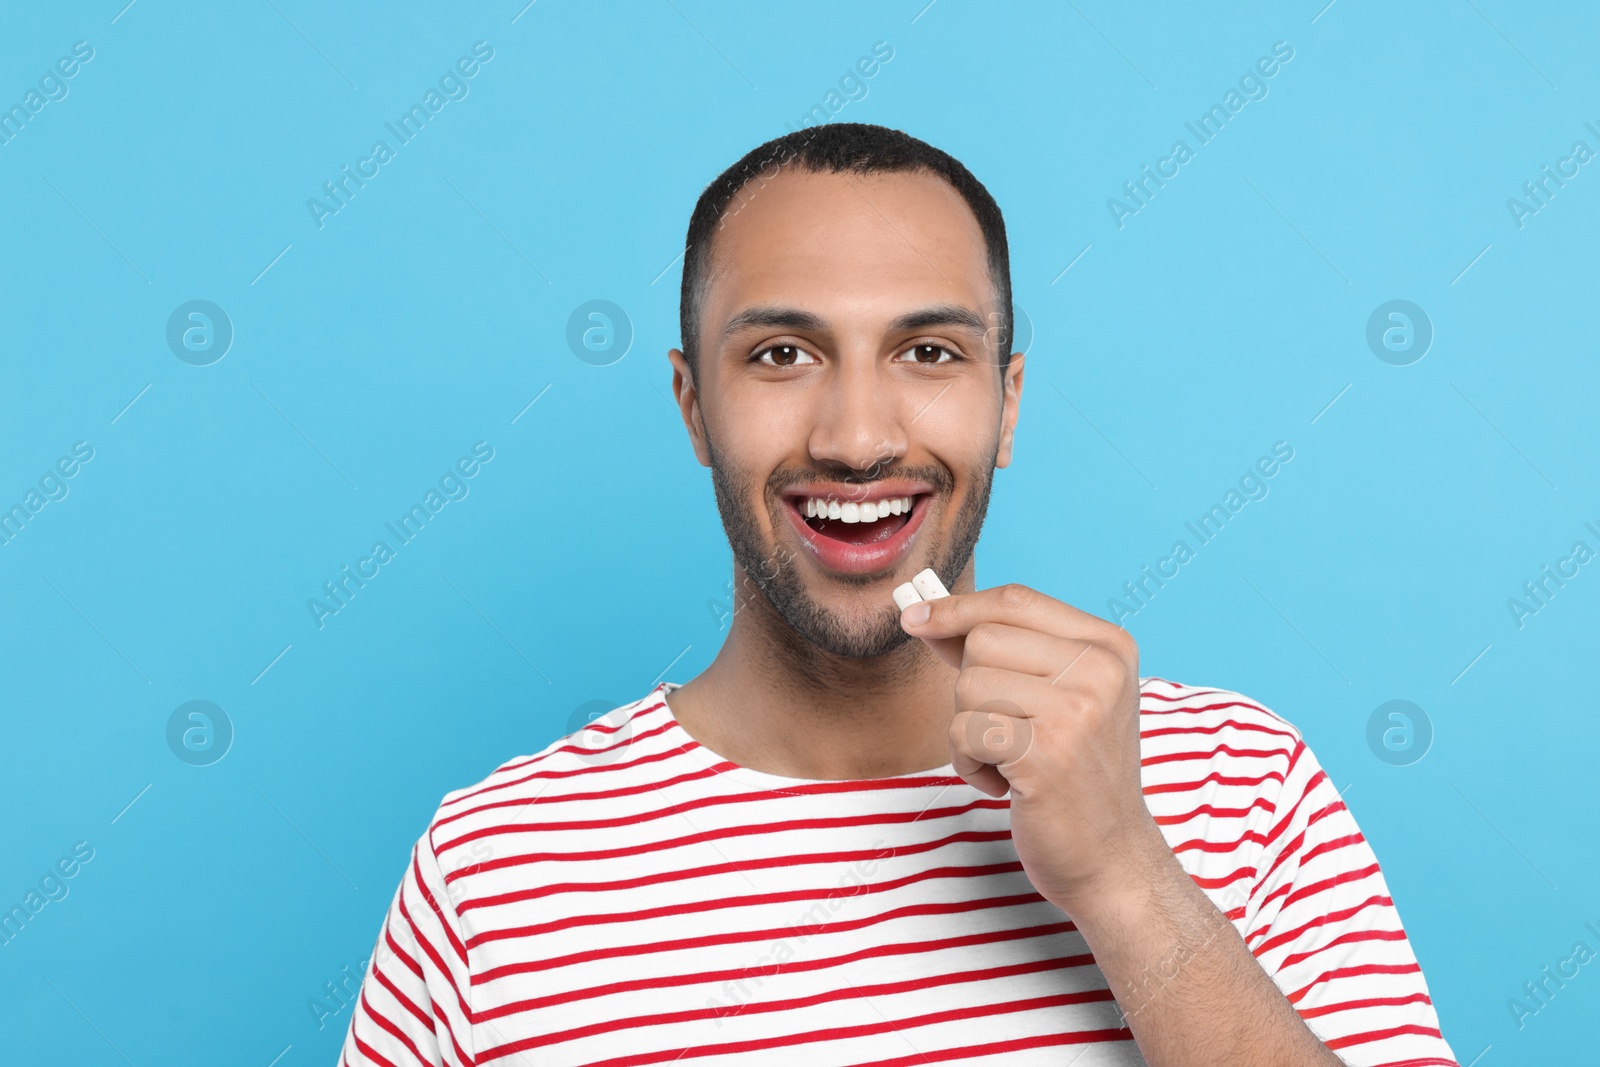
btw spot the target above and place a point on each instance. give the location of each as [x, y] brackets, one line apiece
[838, 147]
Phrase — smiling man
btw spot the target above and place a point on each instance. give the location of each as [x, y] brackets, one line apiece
[968, 832]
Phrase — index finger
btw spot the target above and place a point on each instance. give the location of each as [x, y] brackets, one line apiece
[1012, 604]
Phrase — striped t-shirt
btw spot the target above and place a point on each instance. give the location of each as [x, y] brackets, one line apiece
[626, 896]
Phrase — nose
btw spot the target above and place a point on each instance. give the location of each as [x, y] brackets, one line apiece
[859, 423]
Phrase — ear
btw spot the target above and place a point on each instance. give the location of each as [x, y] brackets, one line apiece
[688, 398]
[1012, 385]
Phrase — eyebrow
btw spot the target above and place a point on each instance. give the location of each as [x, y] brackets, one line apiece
[793, 318]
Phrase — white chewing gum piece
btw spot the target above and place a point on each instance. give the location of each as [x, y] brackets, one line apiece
[906, 595]
[928, 585]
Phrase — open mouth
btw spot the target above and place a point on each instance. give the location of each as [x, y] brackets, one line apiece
[857, 524]
[859, 536]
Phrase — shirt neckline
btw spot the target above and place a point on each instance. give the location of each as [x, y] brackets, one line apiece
[755, 779]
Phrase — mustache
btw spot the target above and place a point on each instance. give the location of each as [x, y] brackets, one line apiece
[940, 478]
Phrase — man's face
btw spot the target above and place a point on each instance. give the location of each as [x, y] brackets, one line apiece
[847, 361]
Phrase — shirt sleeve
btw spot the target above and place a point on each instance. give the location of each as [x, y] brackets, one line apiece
[414, 1002]
[1321, 922]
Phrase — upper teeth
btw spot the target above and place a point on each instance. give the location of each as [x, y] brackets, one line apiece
[850, 511]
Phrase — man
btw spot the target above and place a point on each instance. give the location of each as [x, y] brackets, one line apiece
[968, 832]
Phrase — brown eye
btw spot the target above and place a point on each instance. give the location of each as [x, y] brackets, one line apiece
[783, 356]
[930, 354]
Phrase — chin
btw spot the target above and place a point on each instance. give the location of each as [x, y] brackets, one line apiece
[849, 639]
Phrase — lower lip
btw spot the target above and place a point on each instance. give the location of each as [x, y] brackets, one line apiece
[846, 558]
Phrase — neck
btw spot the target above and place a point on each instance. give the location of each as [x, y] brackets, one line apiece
[776, 703]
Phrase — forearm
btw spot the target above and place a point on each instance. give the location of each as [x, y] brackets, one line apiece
[1188, 986]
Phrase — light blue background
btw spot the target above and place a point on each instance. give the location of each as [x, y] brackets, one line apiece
[429, 312]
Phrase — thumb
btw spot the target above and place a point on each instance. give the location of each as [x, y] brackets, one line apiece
[950, 649]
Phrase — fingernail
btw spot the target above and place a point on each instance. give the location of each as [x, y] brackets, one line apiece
[916, 614]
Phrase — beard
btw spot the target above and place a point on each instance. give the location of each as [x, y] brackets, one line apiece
[772, 569]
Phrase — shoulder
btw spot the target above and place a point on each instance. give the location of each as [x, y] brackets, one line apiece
[1220, 773]
[1172, 709]
[1204, 745]
[468, 821]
